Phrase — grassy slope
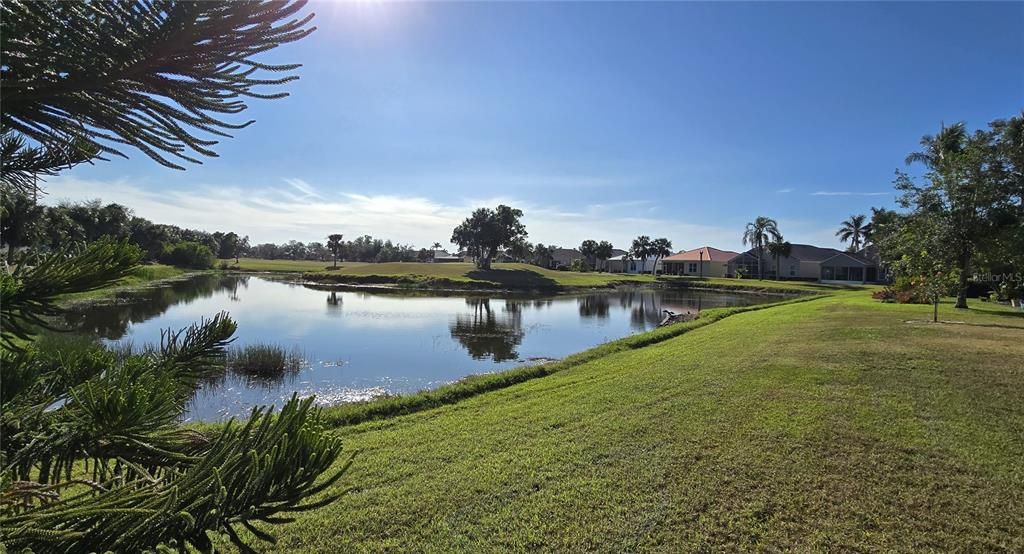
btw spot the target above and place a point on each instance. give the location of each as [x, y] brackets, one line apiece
[510, 275]
[289, 266]
[824, 425]
[141, 275]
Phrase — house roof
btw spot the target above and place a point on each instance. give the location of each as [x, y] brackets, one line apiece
[706, 253]
[811, 253]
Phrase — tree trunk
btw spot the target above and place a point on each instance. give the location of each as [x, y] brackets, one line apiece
[935, 314]
[335, 260]
[484, 260]
[961, 292]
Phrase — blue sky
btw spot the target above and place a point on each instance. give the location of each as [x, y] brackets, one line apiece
[600, 120]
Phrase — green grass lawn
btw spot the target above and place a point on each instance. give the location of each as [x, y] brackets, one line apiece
[505, 275]
[767, 285]
[289, 266]
[835, 424]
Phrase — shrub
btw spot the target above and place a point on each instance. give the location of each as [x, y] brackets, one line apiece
[264, 360]
[885, 295]
[188, 254]
[579, 266]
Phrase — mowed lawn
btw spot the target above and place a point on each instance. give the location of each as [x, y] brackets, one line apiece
[835, 424]
[288, 266]
[511, 275]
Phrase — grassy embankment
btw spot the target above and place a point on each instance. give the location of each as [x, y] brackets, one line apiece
[514, 276]
[836, 424]
[285, 266]
[140, 276]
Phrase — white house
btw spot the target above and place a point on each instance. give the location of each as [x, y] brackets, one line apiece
[624, 264]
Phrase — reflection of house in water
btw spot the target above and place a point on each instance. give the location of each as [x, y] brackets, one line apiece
[487, 334]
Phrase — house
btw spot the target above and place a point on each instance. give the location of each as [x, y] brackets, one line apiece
[443, 256]
[625, 264]
[564, 256]
[808, 262]
[700, 262]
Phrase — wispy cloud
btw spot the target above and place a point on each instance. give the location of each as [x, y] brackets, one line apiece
[784, 191]
[848, 193]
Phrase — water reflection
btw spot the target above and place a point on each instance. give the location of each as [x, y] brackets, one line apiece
[111, 319]
[485, 334]
[361, 343]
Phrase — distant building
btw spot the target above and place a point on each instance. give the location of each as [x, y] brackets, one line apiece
[700, 262]
[808, 262]
[626, 264]
[564, 256]
[443, 256]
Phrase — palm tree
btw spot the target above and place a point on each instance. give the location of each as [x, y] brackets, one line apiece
[855, 230]
[779, 249]
[937, 151]
[940, 154]
[436, 246]
[660, 248]
[334, 244]
[641, 250]
[758, 234]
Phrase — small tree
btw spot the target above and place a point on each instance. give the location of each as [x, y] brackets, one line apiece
[487, 230]
[589, 251]
[604, 252]
[335, 245]
[927, 257]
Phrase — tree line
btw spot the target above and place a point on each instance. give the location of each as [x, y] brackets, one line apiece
[26, 224]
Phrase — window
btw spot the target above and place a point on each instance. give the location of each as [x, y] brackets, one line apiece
[792, 271]
[693, 268]
[632, 266]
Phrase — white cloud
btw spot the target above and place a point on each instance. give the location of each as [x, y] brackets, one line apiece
[784, 191]
[302, 212]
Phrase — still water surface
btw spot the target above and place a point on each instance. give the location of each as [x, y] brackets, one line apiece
[359, 344]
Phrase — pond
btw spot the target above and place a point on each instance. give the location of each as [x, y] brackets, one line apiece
[358, 344]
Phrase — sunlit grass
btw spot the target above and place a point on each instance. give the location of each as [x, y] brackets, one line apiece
[836, 424]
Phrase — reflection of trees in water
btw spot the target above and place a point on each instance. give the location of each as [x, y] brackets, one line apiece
[645, 307]
[111, 320]
[486, 334]
[334, 303]
[594, 305]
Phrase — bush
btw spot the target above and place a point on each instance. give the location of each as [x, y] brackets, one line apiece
[885, 295]
[264, 360]
[579, 266]
[561, 267]
[188, 254]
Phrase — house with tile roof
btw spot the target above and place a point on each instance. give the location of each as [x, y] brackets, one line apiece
[699, 262]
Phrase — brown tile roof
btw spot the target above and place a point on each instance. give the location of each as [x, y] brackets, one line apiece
[705, 253]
